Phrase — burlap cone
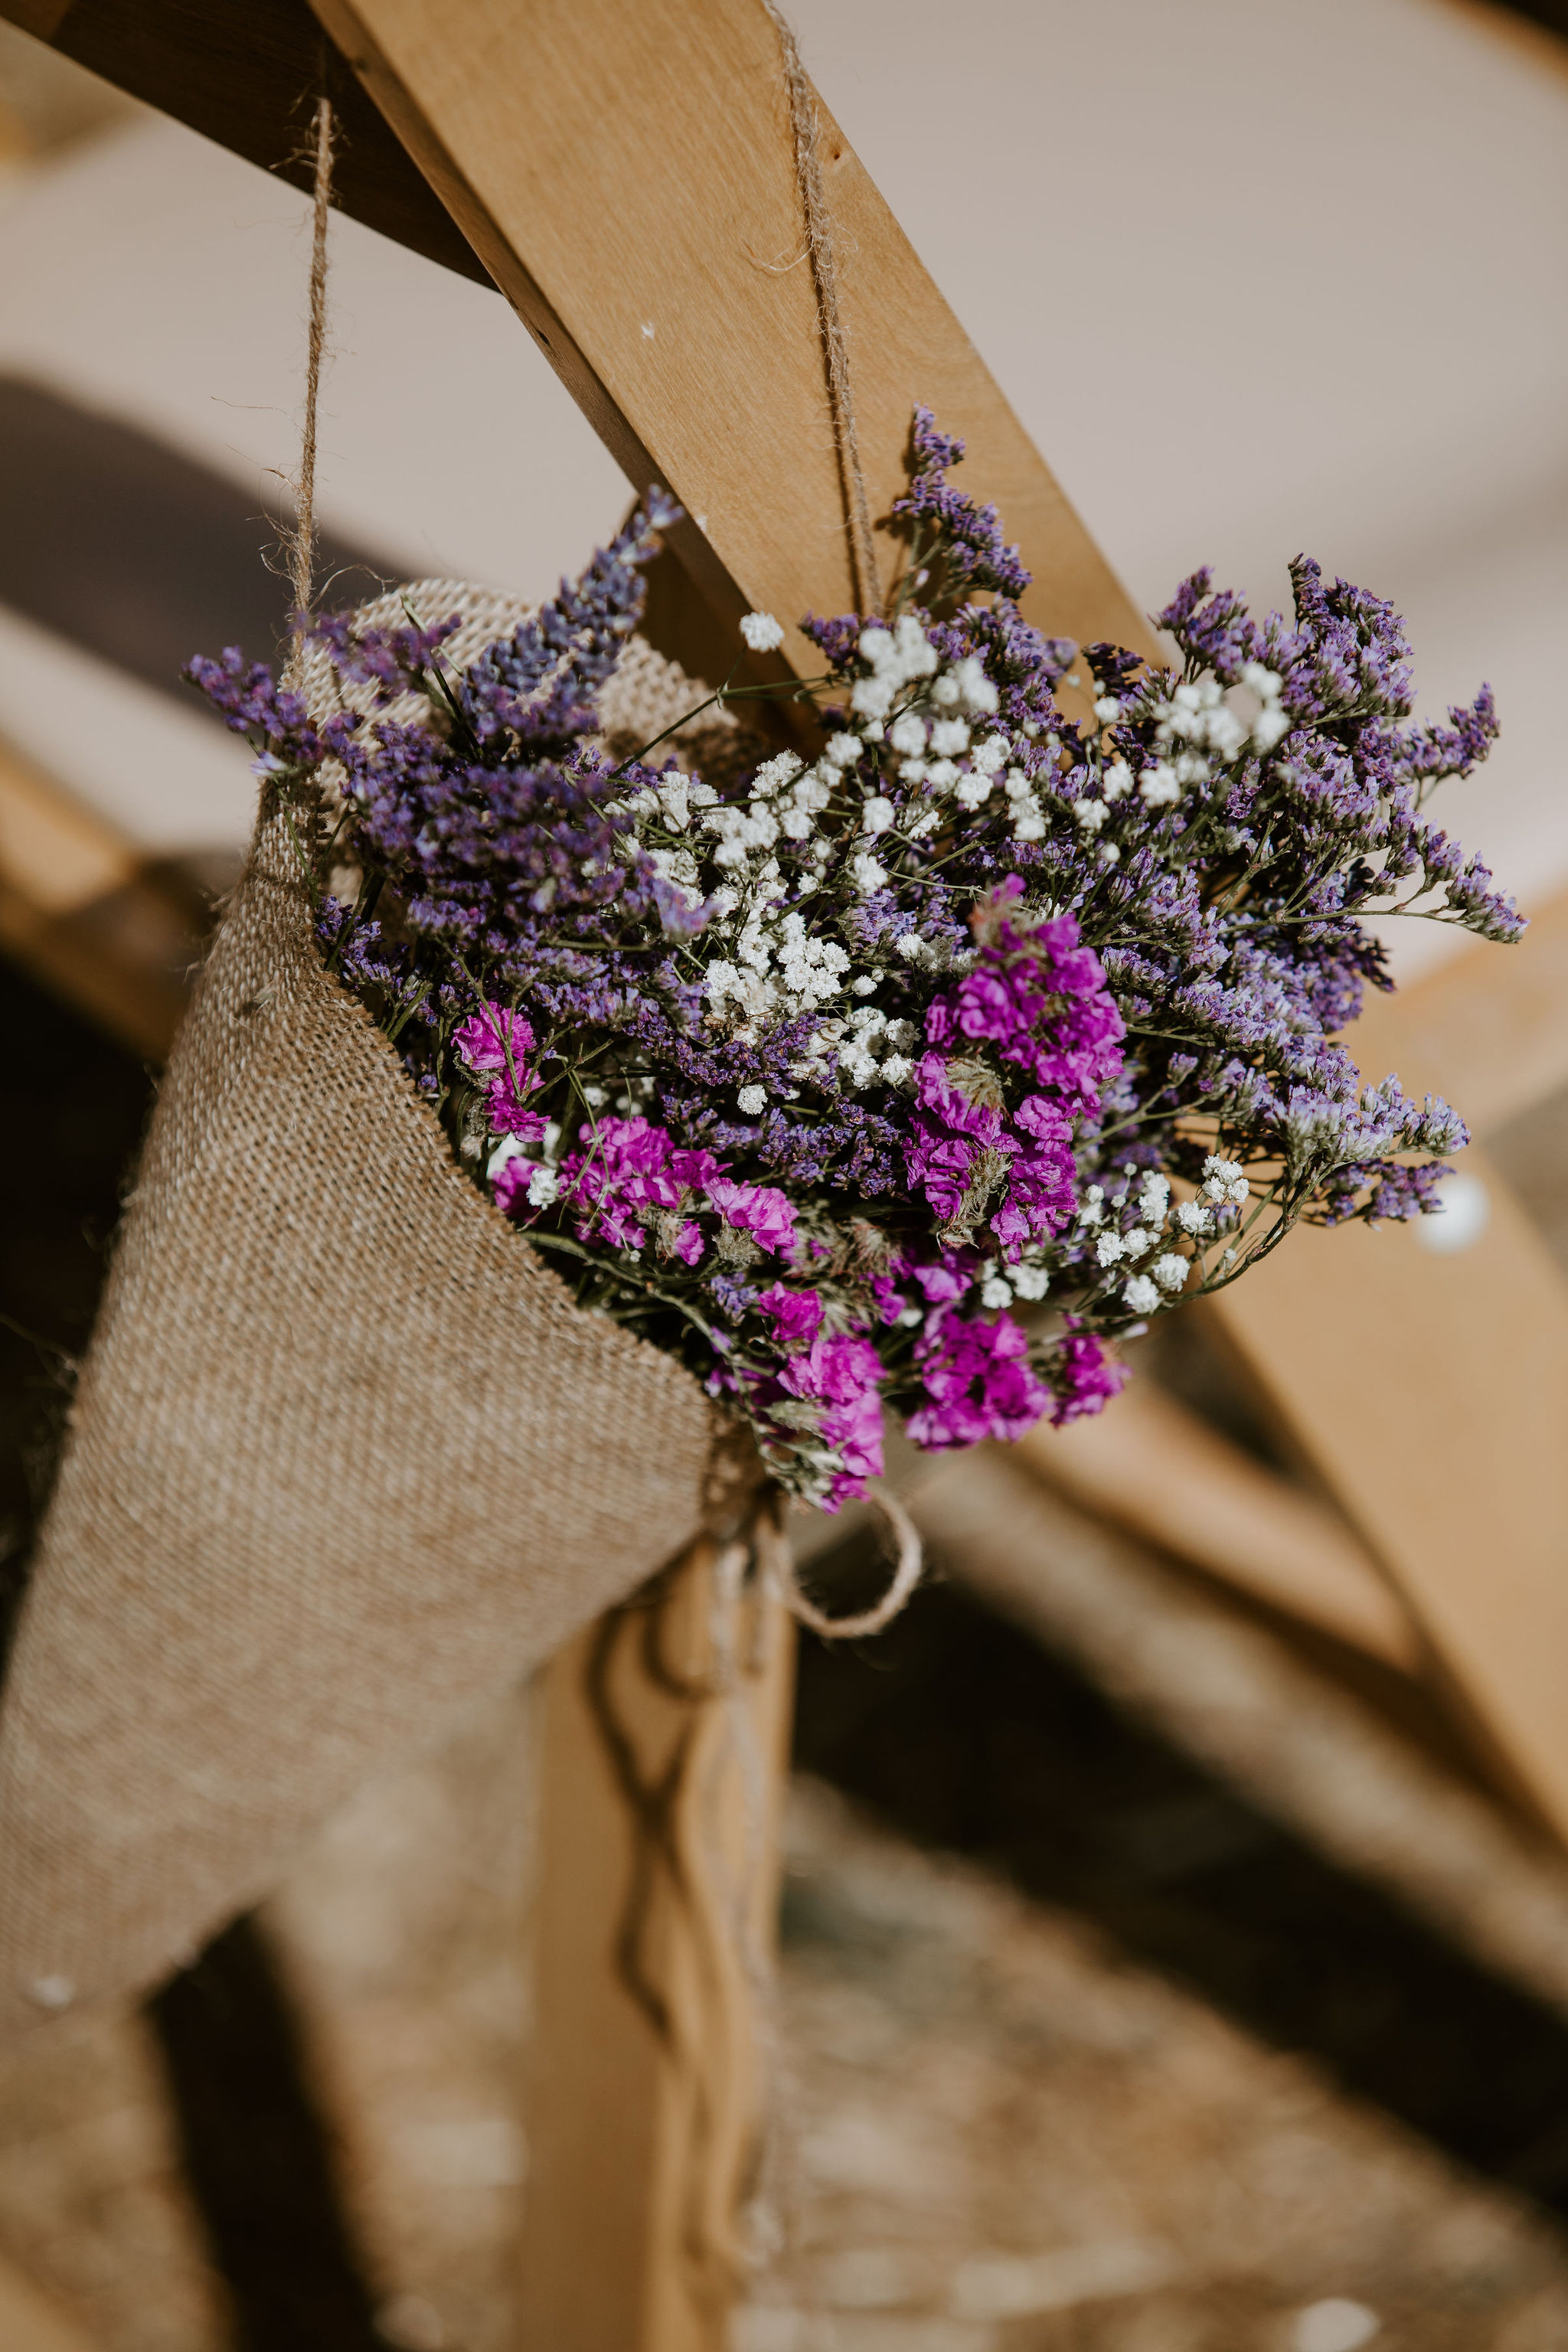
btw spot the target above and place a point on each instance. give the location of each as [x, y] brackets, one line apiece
[344, 1457]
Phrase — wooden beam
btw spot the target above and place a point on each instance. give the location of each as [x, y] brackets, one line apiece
[32, 2321]
[1153, 1468]
[627, 175]
[1490, 1027]
[1430, 1390]
[658, 1866]
[83, 912]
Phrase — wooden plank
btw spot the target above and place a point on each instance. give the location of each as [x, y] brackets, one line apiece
[1430, 1389]
[1431, 1393]
[1156, 1469]
[85, 914]
[32, 2321]
[627, 175]
[642, 2143]
[1492, 1026]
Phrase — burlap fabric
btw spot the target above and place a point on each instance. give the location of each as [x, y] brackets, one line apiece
[344, 1458]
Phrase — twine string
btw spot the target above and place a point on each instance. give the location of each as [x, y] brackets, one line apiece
[825, 279]
[777, 1562]
[301, 539]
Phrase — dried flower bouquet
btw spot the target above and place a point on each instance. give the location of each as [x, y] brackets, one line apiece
[920, 1063]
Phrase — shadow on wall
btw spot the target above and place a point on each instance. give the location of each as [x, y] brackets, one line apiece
[139, 555]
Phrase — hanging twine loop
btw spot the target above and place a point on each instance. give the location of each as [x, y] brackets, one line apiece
[825, 279]
[300, 539]
[777, 1563]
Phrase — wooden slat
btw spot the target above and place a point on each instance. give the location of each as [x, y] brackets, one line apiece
[32, 2321]
[1490, 1026]
[627, 175]
[1430, 1391]
[84, 913]
[642, 2146]
[1156, 1469]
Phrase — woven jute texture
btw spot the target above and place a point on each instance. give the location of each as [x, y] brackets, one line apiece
[344, 1458]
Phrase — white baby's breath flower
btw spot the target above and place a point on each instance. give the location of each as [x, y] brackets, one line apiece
[1030, 826]
[872, 696]
[975, 689]
[1196, 1218]
[1159, 786]
[543, 1184]
[1154, 1199]
[995, 1292]
[1265, 683]
[1030, 1282]
[1110, 1249]
[908, 733]
[1225, 1181]
[876, 815]
[1107, 709]
[913, 772]
[1117, 780]
[1171, 1271]
[1142, 1295]
[762, 632]
[941, 775]
[912, 948]
[1227, 732]
[842, 749]
[868, 873]
[896, 1069]
[1090, 815]
[973, 789]
[774, 775]
[950, 735]
[1108, 853]
[754, 1100]
[1270, 725]
[865, 984]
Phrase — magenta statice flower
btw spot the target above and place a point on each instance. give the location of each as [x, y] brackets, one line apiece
[1083, 1377]
[794, 1316]
[494, 1039]
[921, 1063]
[977, 1383]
